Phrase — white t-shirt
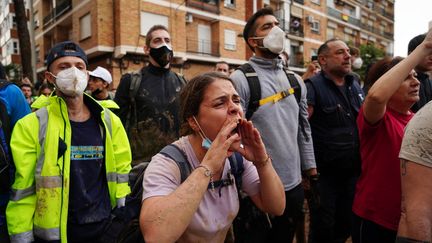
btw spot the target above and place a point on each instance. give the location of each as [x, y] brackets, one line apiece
[217, 209]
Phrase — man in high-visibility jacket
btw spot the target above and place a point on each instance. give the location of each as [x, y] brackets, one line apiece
[72, 160]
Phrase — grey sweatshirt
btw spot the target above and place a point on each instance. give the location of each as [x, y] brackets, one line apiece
[278, 122]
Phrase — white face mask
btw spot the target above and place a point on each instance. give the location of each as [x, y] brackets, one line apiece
[71, 81]
[358, 62]
[275, 40]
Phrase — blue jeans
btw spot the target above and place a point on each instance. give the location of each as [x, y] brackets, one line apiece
[331, 219]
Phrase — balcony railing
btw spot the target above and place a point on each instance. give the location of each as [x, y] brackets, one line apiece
[203, 47]
[58, 11]
[291, 28]
[344, 17]
[206, 5]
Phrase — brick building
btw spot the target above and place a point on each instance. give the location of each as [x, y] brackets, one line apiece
[112, 32]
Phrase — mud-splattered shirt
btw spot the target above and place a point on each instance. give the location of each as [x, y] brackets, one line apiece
[216, 212]
[89, 202]
[416, 144]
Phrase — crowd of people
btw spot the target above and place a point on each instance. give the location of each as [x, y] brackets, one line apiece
[260, 134]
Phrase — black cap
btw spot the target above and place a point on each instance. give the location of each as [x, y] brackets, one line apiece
[66, 48]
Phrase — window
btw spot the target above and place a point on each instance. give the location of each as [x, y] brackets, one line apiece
[36, 20]
[315, 26]
[204, 39]
[229, 3]
[330, 33]
[15, 47]
[14, 23]
[230, 40]
[37, 54]
[85, 26]
[150, 19]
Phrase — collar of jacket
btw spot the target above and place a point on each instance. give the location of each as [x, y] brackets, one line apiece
[157, 70]
[349, 78]
[275, 63]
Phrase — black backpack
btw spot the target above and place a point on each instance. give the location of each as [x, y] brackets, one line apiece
[124, 226]
[5, 153]
[255, 87]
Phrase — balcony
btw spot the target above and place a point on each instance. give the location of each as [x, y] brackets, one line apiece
[388, 35]
[344, 17]
[293, 27]
[62, 8]
[202, 47]
[206, 5]
[299, 1]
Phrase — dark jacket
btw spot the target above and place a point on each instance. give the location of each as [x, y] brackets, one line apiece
[333, 123]
[157, 109]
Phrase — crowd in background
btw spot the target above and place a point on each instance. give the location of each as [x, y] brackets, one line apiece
[358, 151]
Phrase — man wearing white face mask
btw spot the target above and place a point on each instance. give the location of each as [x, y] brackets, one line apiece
[72, 160]
[148, 98]
[282, 122]
[356, 63]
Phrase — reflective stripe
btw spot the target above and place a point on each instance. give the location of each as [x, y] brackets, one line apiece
[48, 182]
[22, 237]
[112, 177]
[122, 178]
[42, 115]
[107, 118]
[119, 178]
[22, 193]
[47, 234]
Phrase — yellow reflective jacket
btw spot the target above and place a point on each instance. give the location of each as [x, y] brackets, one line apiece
[40, 198]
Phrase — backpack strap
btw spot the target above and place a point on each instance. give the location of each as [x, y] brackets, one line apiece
[254, 87]
[181, 78]
[173, 152]
[297, 93]
[133, 90]
[294, 84]
[237, 168]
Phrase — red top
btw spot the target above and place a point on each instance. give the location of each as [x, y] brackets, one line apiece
[378, 190]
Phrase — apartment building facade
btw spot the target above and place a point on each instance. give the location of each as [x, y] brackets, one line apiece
[9, 43]
[112, 32]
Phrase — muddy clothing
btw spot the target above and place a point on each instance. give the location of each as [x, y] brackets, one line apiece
[89, 202]
[42, 147]
[156, 102]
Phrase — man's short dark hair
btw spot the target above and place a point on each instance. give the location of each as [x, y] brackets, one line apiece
[222, 62]
[324, 47]
[150, 32]
[250, 27]
[25, 85]
[414, 42]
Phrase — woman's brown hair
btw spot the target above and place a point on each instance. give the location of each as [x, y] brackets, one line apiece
[192, 95]
[378, 69]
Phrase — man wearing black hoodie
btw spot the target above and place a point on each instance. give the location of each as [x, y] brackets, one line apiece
[149, 112]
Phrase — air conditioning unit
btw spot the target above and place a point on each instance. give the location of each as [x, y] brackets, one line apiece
[310, 19]
[189, 18]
